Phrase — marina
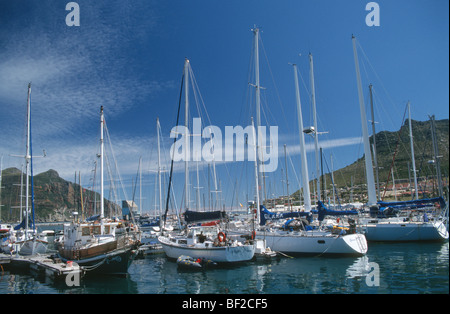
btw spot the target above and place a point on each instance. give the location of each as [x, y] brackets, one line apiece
[161, 155]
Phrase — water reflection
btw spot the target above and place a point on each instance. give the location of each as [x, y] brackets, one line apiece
[403, 268]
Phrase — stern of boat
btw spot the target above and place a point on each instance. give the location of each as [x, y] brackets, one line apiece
[357, 243]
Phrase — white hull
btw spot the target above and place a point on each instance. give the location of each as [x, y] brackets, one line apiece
[316, 243]
[221, 254]
[33, 247]
[406, 231]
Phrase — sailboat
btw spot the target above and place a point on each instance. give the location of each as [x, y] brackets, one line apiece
[295, 235]
[24, 238]
[207, 242]
[386, 222]
[100, 245]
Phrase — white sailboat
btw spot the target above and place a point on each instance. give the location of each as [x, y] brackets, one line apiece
[24, 238]
[208, 243]
[301, 240]
[397, 228]
[202, 242]
[104, 246]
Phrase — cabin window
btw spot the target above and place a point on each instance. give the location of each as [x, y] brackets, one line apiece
[85, 231]
[321, 241]
[97, 230]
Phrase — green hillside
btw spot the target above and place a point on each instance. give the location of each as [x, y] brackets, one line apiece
[55, 198]
[394, 150]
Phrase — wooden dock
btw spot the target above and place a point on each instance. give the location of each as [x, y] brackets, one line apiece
[47, 265]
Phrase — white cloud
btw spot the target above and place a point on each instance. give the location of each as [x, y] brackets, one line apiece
[73, 72]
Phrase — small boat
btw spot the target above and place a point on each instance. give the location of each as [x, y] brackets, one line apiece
[187, 262]
[262, 251]
[203, 243]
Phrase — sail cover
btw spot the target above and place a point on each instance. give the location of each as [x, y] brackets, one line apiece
[192, 216]
[323, 211]
[267, 215]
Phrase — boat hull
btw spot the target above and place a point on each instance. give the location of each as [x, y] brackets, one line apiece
[33, 247]
[89, 252]
[298, 244]
[406, 231]
[114, 262]
[221, 254]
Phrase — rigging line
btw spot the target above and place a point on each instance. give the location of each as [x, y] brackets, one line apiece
[114, 190]
[386, 114]
[135, 182]
[165, 154]
[115, 161]
[198, 95]
[273, 80]
[112, 187]
[295, 173]
[199, 100]
[173, 152]
[376, 74]
[246, 94]
[308, 92]
[395, 154]
[332, 183]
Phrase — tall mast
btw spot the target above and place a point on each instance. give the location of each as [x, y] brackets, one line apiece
[367, 154]
[257, 87]
[28, 158]
[102, 201]
[186, 136]
[287, 181]
[332, 180]
[374, 142]
[416, 193]
[256, 173]
[305, 177]
[140, 185]
[437, 162]
[258, 98]
[198, 189]
[316, 134]
[159, 166]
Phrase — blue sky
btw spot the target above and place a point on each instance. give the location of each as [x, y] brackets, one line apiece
[128, 56]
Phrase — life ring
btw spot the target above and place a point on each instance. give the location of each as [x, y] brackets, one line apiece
[221, 236]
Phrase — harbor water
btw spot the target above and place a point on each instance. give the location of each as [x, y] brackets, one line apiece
[388, 268]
